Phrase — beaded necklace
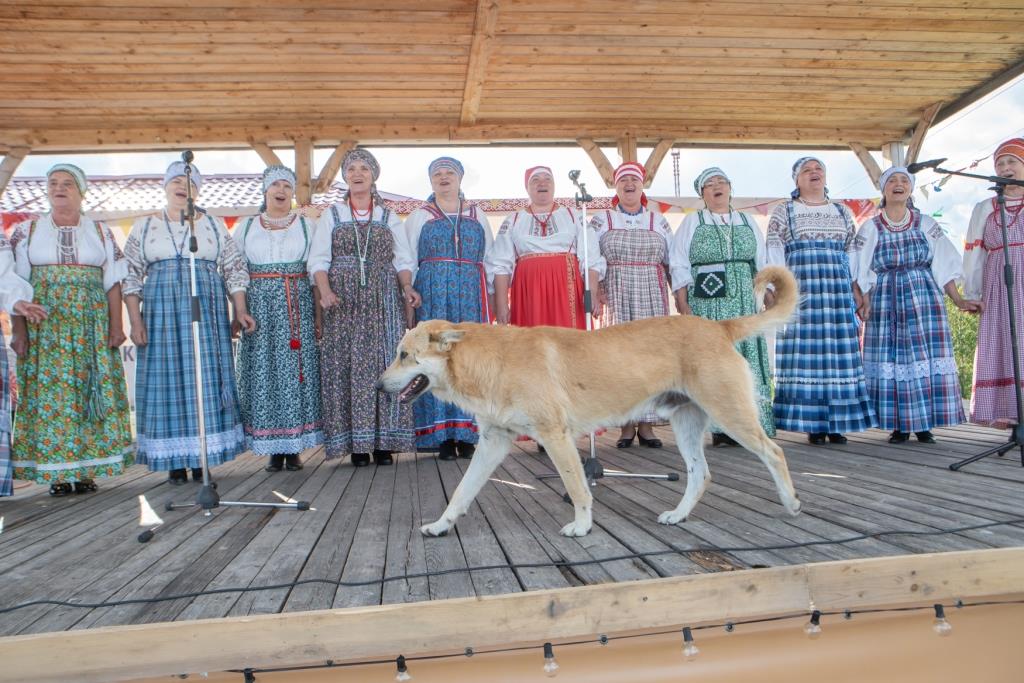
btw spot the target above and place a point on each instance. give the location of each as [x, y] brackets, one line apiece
[179, 247]
[456, 225]
[364, 249]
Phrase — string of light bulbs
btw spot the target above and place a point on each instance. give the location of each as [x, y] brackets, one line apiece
[550, 667]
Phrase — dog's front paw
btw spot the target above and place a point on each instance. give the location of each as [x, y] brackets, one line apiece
[671, 517]
[794, 508]
[438, 528]
[575, 529]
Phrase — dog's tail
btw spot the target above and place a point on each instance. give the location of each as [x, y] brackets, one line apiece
[787, 296]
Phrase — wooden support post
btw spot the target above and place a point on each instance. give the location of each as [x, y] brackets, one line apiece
[894, 152]
[867, 161]
[330, 170]
[10, 164]
[627, 147]
[303, 171]
[655, 159]
[920, 130]
[268, 155]
[479, 54]
[604, 167]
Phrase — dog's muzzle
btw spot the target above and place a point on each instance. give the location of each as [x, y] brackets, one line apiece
[416, 386]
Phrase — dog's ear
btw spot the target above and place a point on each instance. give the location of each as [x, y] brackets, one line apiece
[446, 338]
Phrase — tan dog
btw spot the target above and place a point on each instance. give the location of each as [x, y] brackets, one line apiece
[553, 384]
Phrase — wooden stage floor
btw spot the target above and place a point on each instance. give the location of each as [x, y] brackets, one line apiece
[365, 527]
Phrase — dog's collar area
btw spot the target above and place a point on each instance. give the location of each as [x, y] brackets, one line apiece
[416, 386]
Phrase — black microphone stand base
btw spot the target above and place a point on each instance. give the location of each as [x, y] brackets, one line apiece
[1016, 441]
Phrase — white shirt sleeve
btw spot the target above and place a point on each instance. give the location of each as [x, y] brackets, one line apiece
[115, 265]
[975, 253]
[12, 287]
[679, 252]
[862, 254]
[778, 235]
[501, 258]
[947, 265]
[320, 244]
[665, 230]
[413, 227]
[596, 260]
[19, 244]
[402, 258]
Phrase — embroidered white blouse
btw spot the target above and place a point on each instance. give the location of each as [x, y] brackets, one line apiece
[522, 233]
[286, 245]
[946, 263]
[682, 269]
[79, 244]
[166, 239]
[321, 252]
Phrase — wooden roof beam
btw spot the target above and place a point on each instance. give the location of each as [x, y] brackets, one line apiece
[920, 130]
[604, 167]
[655, 158]
[10, 164]
[268, 155]
[867, 161]
[331, 167]
[479, 55]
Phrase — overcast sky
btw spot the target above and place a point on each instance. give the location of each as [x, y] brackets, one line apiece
[497, 172]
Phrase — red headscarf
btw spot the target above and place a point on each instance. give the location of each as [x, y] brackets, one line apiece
[1014, 147]
[630, 169]
[534, 170]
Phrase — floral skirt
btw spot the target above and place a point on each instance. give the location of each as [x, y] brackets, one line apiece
[72, 421]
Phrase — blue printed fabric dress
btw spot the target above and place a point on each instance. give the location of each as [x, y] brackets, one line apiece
[451, 279]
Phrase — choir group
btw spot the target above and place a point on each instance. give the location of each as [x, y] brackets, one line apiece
[321, 303]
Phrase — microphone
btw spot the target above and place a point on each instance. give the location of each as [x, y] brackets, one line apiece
[918, 166]
[187, 156]
[574, 176]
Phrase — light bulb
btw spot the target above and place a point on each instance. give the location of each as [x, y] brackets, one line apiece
[813, 627]
[403, 671]
[939, 624]
[550, 665]
[690, 649]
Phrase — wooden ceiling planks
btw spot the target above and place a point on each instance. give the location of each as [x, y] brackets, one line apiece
[86, 75]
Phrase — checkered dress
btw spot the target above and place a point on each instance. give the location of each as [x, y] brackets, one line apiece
[908, 349]
[167, 415]
[6, 470]
[819, 379]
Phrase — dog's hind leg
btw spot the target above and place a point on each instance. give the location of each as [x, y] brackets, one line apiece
[740, 421]
[688, 423]
[492, 449]
[566, 459]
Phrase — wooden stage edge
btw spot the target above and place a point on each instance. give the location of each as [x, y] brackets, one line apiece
[131, 652]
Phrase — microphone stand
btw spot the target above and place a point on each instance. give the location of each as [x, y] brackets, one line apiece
[207, 498]
[1017, 435]
[592, 467]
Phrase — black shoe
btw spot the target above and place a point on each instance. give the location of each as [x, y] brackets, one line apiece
[62, 488]
[722, 439]
[275, 464]
[85, 486]
[816, 438]
[383, 458]
[624, 443]
[653, 442]
[540, 448]
[197, 474]
[447, 451]
[898, 437]
[465, 449]
[925, 436]
[360, 459]
[177, 477]
[292, 462]
[837, 438]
